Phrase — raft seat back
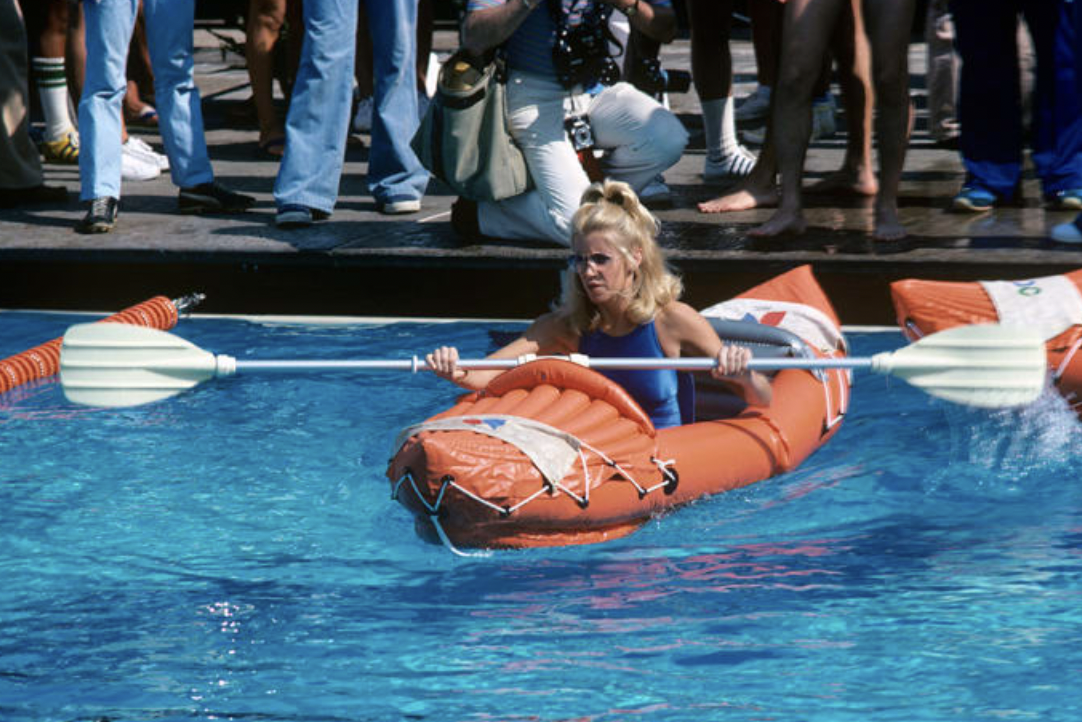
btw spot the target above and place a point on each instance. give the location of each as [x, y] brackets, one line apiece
[716, 400]
[764, 341]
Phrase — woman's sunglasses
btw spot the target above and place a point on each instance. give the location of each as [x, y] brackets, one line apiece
[580, 261]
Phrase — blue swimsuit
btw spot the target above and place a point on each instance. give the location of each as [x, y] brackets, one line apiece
[656, 391]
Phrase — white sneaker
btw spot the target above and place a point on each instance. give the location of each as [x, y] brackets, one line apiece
[134, 166]
[398, 205]
[656, 192]
[755, 106]
[823, 120]
[141, 147]
[362, 119]
[735, 165]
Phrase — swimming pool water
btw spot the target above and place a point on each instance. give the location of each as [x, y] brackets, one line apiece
[233, 553]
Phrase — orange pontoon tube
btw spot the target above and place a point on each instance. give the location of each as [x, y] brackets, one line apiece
[1051, 303]
[552, 453]
[43, 360]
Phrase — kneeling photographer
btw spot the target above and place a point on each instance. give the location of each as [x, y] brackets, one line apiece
[567, 110]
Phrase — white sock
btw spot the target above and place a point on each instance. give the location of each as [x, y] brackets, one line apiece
[52, 85]
[719, 126]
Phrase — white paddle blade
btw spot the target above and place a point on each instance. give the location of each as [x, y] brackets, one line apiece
[115, 364]
[987, 366]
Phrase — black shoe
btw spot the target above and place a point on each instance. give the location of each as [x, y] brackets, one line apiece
[101, 218]
[35, 195]
[464, 220]
[213, 198]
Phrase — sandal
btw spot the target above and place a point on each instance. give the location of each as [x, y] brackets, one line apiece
[147, 117]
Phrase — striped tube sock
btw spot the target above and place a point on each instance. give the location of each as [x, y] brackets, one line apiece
[719, 127]
[52, 85]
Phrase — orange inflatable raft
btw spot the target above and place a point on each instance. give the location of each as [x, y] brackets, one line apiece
[1051, 303]
[552, 453]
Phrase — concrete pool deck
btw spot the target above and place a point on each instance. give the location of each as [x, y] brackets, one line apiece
[362, 263]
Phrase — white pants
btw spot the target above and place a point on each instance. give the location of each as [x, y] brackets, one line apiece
[640, 138]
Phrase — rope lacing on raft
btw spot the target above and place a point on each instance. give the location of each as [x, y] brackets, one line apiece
[548, 487]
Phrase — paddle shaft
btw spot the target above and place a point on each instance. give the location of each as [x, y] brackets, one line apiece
[415, 364]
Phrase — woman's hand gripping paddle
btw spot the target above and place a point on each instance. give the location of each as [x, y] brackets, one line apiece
[111, 364]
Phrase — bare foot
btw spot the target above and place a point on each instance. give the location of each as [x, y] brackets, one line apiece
[887, 225]
[743, 199]
[846, 180]
[782, 223]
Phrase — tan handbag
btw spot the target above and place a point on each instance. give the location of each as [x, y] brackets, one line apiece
[463, 138]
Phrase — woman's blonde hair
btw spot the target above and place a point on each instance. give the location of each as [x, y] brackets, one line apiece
[613, 208]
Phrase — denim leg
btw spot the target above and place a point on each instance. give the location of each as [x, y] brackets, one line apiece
[109, 25]
[642, 138]
[1057, 109]
[170, 40]
[393, 168]
[318, 118]
[536, 107]
[989, 99]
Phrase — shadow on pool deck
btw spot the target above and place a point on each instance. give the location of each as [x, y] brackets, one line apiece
[360, 262]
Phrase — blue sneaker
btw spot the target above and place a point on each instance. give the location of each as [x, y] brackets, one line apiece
[1068, 232]
[973, 199]
[1068, 200]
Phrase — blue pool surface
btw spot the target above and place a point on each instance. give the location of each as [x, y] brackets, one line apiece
[233, 554]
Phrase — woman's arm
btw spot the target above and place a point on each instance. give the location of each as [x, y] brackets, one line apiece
[683, 331]
[487, 28]
[546, 335]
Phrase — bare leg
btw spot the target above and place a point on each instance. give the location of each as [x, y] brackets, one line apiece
[265, 18]
[850, 46]
[140, 74]
[807, 29]
[759, 189]
[711, 60]
[75, 50]
[766, 36]
[888, 23]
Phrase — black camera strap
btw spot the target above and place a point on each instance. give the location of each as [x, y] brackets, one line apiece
[594, 26]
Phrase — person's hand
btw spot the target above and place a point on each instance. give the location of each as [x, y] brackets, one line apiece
[732, 361]
[444, 363]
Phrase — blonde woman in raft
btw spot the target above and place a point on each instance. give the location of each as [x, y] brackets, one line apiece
[620, 299]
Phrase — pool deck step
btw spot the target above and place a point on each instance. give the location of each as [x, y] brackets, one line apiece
[362, 263]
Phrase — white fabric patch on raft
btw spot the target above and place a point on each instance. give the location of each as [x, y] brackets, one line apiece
[1050, 304]
[551, 450]
[807, 322]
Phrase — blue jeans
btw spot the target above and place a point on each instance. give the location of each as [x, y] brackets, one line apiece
[318, 120]
[990, 96]
[393, 168]
[109, 25]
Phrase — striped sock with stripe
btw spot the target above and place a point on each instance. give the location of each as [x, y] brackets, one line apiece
[52, 83]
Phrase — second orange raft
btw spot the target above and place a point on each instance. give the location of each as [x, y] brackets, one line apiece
[1051, 303]
[552, 453]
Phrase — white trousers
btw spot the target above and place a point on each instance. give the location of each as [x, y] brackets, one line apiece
[639, 136]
